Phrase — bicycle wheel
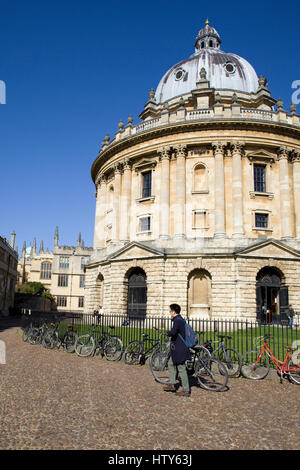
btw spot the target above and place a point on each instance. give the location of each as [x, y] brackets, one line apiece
[231, 359]
[158, 363]
[211, 374]
[48, 340]
[34, 336]
[113, 349]
[25, 334]
[85, 345]
[132, 352]
[294, 365]
[252, 371]
[69, 341]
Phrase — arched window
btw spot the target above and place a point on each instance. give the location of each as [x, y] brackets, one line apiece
[199, 293]
[46, 270]
[111, 198]
[202, 45]
[200, 178]
[210, 44]
[137, 293]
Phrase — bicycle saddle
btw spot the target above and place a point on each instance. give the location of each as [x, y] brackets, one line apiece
[224, 336]
[289, 348]
[111, 326]
[145, 335]
[196, 348]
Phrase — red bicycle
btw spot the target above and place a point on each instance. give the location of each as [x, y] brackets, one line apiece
[256, 364]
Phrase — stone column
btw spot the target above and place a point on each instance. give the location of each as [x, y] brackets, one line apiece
[296, 181]
[116, 205]
[218, 148]
[99, 234]
[285, 202]
[180, 231]
[125, 203]
[237, 190]
[164, 222]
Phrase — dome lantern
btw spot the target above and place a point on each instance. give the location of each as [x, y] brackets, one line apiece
[207, 38]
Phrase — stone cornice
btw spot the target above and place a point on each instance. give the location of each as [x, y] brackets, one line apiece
[282, 129]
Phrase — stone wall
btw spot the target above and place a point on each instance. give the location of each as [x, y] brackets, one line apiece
[233, 288]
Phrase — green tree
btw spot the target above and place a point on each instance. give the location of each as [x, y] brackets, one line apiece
[32, 288]
[35, 288]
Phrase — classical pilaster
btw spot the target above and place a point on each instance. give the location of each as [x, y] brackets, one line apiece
[296, 184]
[125, 202]
[237, 189]
[164, 225]
[218, 148]
[285, 202]
[179, 229]
[99, 235]
[116, 205]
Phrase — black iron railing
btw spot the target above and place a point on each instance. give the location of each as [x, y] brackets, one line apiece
[245, 334]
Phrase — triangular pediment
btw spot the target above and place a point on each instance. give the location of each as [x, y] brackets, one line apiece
[144, 164]
[136, 250]
[270, 249]
[261, 153]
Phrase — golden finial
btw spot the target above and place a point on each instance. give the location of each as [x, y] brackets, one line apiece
[207, 22]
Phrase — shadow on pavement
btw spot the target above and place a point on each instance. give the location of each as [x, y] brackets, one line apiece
[10, 322]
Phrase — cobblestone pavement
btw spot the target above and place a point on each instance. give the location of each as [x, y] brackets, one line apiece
[54, 400]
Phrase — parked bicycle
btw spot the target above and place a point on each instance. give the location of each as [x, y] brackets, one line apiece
[229, 357]
[102, 342]
[140, 350]
[256, 364]
[53, 338]
[210, 373]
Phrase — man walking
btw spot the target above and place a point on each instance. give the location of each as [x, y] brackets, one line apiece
[179, 353]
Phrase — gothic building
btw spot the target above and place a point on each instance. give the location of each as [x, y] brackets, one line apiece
[199, 203]
[61, 271]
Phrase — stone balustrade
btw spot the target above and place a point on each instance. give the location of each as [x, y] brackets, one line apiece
[206, 114]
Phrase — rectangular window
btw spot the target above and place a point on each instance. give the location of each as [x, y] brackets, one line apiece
[147, 184]
[84, 261]
[63, 280]
[260, 178]
[145, 224]
[64, 261]
[261, 220]
[80, 302]
[61, 301]
[81, 281]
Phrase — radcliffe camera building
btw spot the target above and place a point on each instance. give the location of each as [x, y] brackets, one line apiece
[199, 203]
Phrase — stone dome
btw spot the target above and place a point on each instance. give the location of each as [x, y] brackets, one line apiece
[225, 71]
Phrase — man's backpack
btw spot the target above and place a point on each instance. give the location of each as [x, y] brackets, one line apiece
[191, 339]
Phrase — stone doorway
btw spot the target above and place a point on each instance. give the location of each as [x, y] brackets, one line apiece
[271, 296]
[137, 293]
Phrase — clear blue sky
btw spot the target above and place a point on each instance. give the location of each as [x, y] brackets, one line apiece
[73, 69]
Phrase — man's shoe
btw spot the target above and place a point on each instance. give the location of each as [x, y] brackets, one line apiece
[183, 393]
[170, 388]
